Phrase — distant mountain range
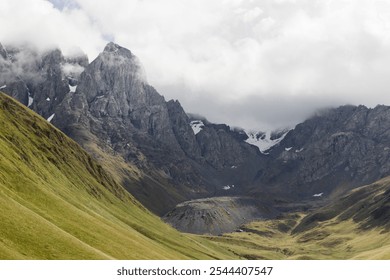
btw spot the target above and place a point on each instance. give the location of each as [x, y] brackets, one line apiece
[163, 156]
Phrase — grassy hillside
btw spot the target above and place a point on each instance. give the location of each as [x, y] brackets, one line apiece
[152, 188]
[357, 226]
[58, 203]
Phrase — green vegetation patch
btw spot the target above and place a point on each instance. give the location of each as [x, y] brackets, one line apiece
[58, 203]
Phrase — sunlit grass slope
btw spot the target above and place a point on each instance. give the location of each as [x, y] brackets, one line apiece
[357, 226]
[58, 203]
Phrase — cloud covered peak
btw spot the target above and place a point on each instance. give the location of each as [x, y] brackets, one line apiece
[248, 63]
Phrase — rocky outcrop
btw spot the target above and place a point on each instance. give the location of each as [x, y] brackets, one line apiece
[182, 130]
[115, 87]
[223, 147]
[217, 215]
[112, 94]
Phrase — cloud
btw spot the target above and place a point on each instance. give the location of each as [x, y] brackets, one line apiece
[252, 14]
[255, 64]
[24, 66]
[72, 69]
[40, 23]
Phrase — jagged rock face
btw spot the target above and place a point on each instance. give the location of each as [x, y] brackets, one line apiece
[115, 88]
[110, 100]
[53, 87]
[115, 103]
[183, 132]
[37, 80]
[348, 146]
[223, 148]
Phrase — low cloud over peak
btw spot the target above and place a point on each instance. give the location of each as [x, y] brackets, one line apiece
[254, 63]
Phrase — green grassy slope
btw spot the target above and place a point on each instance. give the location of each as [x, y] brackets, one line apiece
[152, 188]
[357, 226]
[58, 203]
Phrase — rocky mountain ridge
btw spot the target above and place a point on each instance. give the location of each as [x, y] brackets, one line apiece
[168, 157]
[111, 104]
[338, 149]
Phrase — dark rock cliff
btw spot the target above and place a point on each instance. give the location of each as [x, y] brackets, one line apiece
[335, 150]
[109, 104]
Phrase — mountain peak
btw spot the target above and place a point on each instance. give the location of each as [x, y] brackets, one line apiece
[118, 50]
[111, 47]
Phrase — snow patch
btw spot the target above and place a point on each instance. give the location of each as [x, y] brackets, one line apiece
[228, 187]
[72, 88]
[30, 98]
[318, 194]
[3, 87]
[197, 126]
[263, 140]
[30, 101]
[288, 149]
[298, 151]
[49, 119]
[233, 167]
[48, 99]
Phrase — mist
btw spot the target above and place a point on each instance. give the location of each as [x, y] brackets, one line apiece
[257, 64]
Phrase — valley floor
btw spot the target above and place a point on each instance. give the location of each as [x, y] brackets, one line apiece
[332, 239]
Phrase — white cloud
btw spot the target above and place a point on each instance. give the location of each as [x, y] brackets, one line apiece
[233, 55]
[252, 14]
[72, 69]
[38, 22]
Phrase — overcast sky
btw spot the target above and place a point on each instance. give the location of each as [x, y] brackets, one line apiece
[251, 63]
